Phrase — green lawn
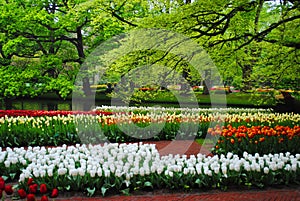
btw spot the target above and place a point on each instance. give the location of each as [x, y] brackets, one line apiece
[165, 97]
[236, 99]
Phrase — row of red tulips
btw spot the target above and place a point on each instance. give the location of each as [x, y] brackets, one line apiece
[29, 192]
[250, 132]
[256, 139]
[39, 113]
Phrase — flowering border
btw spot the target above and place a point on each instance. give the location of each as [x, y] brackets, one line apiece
[127, 167]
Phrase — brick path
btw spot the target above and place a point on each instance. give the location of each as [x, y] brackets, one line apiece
[285, 194]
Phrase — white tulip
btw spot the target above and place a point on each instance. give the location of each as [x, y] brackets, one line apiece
[229, 155]
[106, 173]
[257, 168]
[288, 167]
[294, 167]
[159, 169]
[50, 172]
[266, 170]
[73, 172]
[142, 171]
[22, 177]
[36, 172]
[185, 171]
[92, 173]
[216, 170]
[62, 171]
[7, 163]
[42, 173]
[81, 171]
[99, 172]
[237, 167]
[224, 169]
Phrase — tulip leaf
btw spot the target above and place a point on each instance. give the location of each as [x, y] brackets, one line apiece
[12, 175]
[126, 191]
[103, 190]
[91, 192]
[198, 181]
[148, 184]
[4, 177]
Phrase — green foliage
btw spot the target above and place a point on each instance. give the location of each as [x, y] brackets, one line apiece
[240, 56]
[253, 43]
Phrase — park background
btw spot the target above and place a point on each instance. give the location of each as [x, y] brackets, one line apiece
[249, 141]
[254, 45]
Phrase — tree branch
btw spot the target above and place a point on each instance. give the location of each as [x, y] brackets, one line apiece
[78, 60]
[216, 23]
[122, 19]
[258, 11]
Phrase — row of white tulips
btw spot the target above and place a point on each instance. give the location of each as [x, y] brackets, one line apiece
[182, 109]
[160, 117]
[130, 160]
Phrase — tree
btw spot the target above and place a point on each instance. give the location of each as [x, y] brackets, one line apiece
[59, 34]
[239, 34]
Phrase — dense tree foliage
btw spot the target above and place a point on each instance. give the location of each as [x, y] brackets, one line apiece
[246, 39]
[254, 43]
[57, 35]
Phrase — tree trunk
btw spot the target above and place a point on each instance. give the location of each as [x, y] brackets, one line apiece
[247, 83]
[80, 50]
[207, 82]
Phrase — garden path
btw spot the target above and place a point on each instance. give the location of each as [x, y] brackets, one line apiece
[285, 194]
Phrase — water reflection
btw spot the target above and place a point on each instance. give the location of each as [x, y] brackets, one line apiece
[36, 105]
[43, 104]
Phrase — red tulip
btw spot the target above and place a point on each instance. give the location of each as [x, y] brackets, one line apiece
[22, 193]
[43, 188]
[2, 184]
[54, 193]
[8, 189]
[30, 197]
[44, 198]
[33, 188]
[30, 181]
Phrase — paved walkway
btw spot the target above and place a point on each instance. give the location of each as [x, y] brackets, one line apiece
[292, 194]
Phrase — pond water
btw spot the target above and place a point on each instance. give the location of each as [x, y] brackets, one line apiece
[36, 105]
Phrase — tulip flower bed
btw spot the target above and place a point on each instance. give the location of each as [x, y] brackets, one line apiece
[30, 190]
[63, 127]
[256, 139]
[256, 147]
[124, 168]
[41, 113]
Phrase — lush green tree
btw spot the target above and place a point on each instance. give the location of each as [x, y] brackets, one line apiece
[253, 42]
[241, 36]
[60, 34]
